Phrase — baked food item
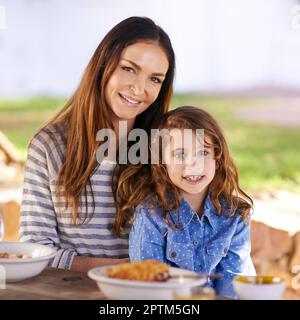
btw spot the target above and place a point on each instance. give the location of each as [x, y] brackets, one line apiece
[6, 255]
[147, 270]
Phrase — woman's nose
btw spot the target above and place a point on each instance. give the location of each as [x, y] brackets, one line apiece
[138, 87]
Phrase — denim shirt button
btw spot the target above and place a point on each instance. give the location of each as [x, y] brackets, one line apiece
[225, 250]
[173, 254]
[196, 242]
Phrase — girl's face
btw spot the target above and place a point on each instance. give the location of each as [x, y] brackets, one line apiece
[195, 167]
[137, 80]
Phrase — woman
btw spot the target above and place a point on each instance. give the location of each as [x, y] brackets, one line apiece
[67, 198]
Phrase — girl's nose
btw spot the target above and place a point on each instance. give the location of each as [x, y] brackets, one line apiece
[194, 163]
[190, 161]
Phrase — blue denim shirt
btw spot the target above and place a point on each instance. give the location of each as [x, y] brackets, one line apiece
[210, 244]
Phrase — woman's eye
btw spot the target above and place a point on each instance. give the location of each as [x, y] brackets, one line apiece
[156, 80]
[128, 69]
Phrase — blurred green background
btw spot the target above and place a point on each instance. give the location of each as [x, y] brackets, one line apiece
[267, 155]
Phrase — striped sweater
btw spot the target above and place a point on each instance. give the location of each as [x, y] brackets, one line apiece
[44, 218]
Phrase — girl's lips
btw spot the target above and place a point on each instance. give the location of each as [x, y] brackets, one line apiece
[129, 100]
[193, 179]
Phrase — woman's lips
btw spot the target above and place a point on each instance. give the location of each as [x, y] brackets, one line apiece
[129, 100]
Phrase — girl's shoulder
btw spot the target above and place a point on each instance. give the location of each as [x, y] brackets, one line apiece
[236, 214]
[150, 205]
[150, 208]
[149, 215]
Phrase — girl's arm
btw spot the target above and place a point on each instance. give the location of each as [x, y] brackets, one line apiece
[237, 260]
[146, 238]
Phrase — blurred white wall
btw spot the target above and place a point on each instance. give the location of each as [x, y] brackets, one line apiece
[220, 45]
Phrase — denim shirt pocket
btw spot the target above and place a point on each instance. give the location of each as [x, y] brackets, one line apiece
[215, 252]
[181, 254]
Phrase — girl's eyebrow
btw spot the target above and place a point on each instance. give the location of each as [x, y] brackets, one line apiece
[139, 68]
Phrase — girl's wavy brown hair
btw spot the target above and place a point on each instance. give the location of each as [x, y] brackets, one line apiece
[150, 183]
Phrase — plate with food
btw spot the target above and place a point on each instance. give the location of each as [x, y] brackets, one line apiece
[22, 260]
[149, 279]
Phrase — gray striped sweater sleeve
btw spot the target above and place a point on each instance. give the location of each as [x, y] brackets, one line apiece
[38, 221]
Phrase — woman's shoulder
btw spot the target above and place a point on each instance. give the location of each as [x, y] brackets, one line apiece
[50, 137]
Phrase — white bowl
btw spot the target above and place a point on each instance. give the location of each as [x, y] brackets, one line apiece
[247, 288]
[13, 270]
[119, 289]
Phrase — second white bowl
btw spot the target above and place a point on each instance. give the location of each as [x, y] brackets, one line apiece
[13, 270]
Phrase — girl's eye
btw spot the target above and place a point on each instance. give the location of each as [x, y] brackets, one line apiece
[179, 155]
[128, 69]
[203, 153]
[156, 80]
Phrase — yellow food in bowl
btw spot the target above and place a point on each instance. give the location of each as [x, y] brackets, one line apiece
[148, 270]
[6, 255]
[259, 279]
[262, 287]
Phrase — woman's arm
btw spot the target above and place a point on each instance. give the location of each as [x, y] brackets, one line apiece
[84, 264]
[38, 218]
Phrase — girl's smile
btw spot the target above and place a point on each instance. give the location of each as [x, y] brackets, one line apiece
[194, 179]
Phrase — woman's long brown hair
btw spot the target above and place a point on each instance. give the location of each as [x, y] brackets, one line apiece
[151, 184]
[87, 112]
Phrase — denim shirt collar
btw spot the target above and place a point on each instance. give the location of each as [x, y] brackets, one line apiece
[184, 215]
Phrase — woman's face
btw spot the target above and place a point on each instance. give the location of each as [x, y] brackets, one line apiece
[137, 80]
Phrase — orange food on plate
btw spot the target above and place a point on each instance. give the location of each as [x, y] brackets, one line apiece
[148, 270]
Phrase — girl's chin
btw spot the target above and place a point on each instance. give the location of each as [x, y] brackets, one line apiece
[193, 191]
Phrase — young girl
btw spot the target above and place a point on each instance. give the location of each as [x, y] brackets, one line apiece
[67, 201]
[187, 215]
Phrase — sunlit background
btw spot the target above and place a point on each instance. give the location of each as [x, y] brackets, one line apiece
[220, 45]
[238, 59]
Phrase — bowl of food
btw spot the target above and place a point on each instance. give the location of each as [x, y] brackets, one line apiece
[22, 260]
[144, 280]
[262, 287]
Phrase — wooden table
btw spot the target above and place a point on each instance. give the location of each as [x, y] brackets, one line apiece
[53, 284]
[58, 284]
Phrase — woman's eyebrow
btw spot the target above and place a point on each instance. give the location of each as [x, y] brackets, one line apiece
[139, 68]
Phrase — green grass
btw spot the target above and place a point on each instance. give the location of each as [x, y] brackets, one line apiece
[267, 155]
[20, 119]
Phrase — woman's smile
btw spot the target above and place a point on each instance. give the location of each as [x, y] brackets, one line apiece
[129, 100]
